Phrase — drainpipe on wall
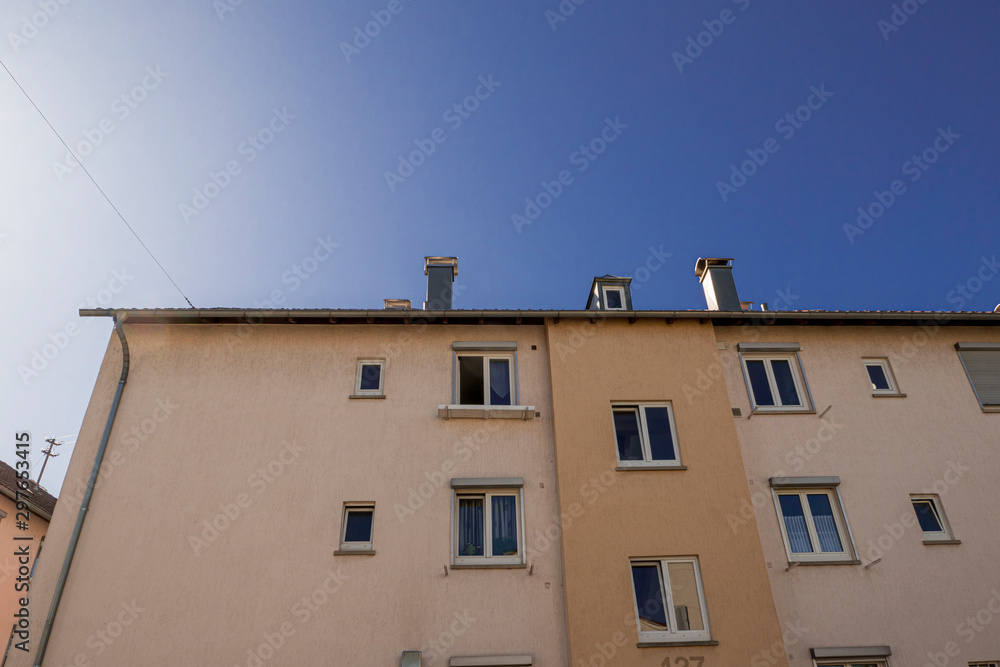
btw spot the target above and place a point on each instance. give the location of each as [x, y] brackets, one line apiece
[85, 504]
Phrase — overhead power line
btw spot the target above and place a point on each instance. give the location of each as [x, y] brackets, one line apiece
[99, 189]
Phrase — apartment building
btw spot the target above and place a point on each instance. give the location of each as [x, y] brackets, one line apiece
[312, 488]
[599, 486]
[870, 442]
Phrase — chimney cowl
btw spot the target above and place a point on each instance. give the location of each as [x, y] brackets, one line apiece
[397, 304]
[716, 277]
[441, 273]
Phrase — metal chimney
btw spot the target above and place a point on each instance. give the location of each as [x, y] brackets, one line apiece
[716, 276]
[441, 273]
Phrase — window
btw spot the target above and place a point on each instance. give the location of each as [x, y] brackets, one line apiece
[484, 383]
[356, 534]
[488, 522]
[614, 298]
[370, 378]
[853, 663]
[485, 379]
[930, 516]
[812, 522]
[880, 376]
[774, 377]
[982, 364]
[645, 435]
[991, 663]
[669, 600]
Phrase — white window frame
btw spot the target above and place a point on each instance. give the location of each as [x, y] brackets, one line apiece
[356, 546]
[487, 494]
[798, 378]
[614, 288]
[647, 460]
[671, 635]
[945, 534]
[487, 357]
[893, 389]
[358, 391]
[839, 518]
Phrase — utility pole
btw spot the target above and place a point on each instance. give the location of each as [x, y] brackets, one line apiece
[48, 452]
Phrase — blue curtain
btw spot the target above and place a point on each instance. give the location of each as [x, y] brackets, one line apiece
[499, 382]
[504, 524]
[470, 527]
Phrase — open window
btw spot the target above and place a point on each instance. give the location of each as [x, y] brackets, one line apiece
[485, 383]
[669, 600]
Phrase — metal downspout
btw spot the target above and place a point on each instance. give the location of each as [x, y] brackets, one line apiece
[85, 504]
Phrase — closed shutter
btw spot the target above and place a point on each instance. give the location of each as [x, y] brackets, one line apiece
[982, 363]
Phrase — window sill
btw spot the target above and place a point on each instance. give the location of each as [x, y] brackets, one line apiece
[696, 642]
[622, 468]
[523, 412]
[354, 552]
[492, 566]
[888, 395]
[366, 396]
[782, 411]
[934, 542]
[991, 408]
[823, 562]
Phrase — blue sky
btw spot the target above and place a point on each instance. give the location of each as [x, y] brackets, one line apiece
[640, 124]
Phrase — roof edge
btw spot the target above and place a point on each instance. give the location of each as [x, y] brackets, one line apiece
[415, 316]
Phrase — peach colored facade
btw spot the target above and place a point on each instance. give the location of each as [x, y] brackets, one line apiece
[250, 429]
[931, 604]
[612, 516]
[9, 561]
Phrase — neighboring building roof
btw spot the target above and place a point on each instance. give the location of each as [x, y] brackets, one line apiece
[40, 501]
[416, 316]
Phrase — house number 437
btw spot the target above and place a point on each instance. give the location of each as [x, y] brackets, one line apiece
[693, 661]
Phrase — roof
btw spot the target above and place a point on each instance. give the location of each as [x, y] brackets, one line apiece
[538, 317]
[40, 501]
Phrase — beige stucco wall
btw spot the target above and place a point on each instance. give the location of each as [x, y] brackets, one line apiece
[213, 404]
[651, 513]
[919, 598]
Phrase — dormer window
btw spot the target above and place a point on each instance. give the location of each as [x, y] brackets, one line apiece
[610, 293]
